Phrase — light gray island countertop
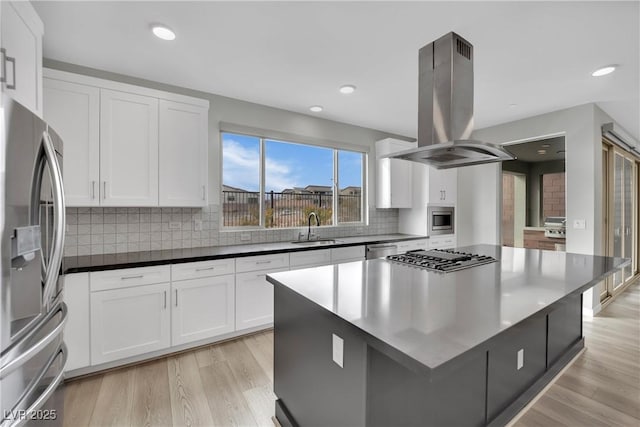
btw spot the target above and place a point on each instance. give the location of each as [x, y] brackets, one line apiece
[407, 346]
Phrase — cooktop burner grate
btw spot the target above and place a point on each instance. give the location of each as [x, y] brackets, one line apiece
[442, 260]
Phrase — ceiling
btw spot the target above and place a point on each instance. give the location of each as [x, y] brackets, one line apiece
[528, 151]
[530, 57]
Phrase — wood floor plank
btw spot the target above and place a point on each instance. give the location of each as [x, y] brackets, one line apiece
[80, 399]
[115, 399]
[189, 406]
[209, 355]
[246, 369]
[261, 346]
[151, 399]
[262, 403]
[226, 402]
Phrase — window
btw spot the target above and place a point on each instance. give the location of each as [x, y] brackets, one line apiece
[276, 184]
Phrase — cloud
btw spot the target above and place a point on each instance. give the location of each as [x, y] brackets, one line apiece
[241, 168]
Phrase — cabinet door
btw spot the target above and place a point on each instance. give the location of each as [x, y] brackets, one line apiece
[443, 186]
[130, 321]
[442, 242]
[76, 331]
[183, 154]
[254, 299]
[393, 183]
[202, 308]
[74, 112]
[128, 149]
[22, 32]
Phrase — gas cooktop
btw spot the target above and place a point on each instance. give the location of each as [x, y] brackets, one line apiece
[442, 260]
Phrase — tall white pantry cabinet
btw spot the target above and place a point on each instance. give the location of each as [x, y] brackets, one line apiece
[127, 145]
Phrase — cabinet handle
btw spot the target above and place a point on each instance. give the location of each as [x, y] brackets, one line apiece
[139, 276]
[6, 59]
[205, 269]
[93, 190]
[263, 262]
[165, 299]
[176, 297]
[203, 192]
[104, 190]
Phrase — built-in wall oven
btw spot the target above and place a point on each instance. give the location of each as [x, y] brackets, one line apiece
[440, 220]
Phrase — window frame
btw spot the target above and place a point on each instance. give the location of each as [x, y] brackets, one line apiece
[335, 147]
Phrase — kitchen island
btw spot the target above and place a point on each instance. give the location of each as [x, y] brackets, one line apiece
[379, 343]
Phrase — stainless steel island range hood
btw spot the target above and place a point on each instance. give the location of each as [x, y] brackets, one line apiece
[445, 109]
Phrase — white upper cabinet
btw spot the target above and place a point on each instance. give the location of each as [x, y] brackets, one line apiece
[443, 186]
[128, 149]
[21, 55]
[183, 154]
[127, 145]
[74, 112]
[393, 176]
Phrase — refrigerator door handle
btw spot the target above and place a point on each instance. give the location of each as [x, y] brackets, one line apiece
[45, 395]
[17, 355]
[47, 157]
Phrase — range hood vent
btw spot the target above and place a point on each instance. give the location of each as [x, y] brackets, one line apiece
[445, 109]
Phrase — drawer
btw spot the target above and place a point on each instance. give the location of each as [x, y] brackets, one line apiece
[196, 270]
[347, 253]
[262, 262]
[310, 258]
[124, 278]
[442, 242]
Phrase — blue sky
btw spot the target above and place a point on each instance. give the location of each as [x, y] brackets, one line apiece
[286, 165]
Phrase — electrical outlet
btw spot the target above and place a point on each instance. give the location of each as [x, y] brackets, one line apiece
[579, 224]
[175, 225]
[520, 362]
[245, 237]
[197, 225]
[338, 350]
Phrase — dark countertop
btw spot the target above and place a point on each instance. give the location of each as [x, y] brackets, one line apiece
[435, 317]
[78, 264]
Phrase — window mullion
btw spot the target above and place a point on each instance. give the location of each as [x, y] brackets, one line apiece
[262, 183]
[335, 188]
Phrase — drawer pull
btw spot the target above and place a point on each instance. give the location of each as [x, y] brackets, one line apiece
[205, 269]
[263, 262]
[139, 276]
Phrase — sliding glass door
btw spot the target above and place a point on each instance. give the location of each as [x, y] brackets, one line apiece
[620, 201]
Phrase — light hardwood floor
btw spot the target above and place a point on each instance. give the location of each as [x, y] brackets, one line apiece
[231, 383]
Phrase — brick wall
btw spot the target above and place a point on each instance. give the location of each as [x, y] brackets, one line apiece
[508, 204]
[553, 194]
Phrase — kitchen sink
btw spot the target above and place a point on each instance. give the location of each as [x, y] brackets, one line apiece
[318, 242]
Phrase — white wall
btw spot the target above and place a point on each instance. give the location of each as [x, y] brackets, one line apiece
[479, 193]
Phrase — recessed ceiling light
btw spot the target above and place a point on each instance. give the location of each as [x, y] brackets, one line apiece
[542, 151]
[316, 108]
[604, 71]
[513, 105]
[162, 32]
[347, 89]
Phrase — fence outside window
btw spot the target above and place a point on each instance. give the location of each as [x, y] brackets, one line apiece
[287, 209]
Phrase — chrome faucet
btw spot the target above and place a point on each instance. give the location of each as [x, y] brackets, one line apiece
[312, 214]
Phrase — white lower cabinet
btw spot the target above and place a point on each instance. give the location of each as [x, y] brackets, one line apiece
[76, 330]
[412, 245]
[254, 299]
[201, 308]
[129, 321]
[306, 259]
[348, 253]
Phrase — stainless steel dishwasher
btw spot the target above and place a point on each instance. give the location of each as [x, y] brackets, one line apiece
[381, 250]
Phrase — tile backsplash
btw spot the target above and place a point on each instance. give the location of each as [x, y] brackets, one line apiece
[93, 231]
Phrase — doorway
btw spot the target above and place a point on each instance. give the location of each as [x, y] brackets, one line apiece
[533, 190]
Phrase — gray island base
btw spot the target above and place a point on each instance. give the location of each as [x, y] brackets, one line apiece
[375, 343]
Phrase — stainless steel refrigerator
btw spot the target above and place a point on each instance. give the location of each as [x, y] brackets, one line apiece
[32, 314]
